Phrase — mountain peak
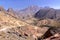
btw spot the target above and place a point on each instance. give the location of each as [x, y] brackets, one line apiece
[10, 9]
[2, 8]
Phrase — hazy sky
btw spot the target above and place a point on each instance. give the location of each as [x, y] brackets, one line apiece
[20, 4]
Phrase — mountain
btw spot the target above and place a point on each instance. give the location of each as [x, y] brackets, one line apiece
[28, 12]
[12, 28]
[48, 13]
[11, 12]
[26, 24]
[2, 8]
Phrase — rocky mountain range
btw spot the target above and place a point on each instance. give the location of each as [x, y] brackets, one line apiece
[49, 13]
[27, 12]
[12, 28]
[32, 23]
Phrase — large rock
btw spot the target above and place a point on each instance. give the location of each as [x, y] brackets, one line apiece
[54, 37]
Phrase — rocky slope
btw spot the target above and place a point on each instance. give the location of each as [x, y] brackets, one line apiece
[12, 27]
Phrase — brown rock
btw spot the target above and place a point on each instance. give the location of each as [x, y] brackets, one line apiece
[54, 37]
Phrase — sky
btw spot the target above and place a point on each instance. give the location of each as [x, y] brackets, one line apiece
[21, 4]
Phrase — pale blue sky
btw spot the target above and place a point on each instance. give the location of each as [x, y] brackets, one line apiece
[20, 4]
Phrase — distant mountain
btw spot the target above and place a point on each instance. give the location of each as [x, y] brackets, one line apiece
[12, 12]
[28, 12]
[48, 13]
[2, 9]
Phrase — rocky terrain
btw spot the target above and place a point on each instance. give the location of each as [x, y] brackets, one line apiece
[32, 23]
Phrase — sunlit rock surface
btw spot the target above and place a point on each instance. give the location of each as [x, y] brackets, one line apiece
[12, 28]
